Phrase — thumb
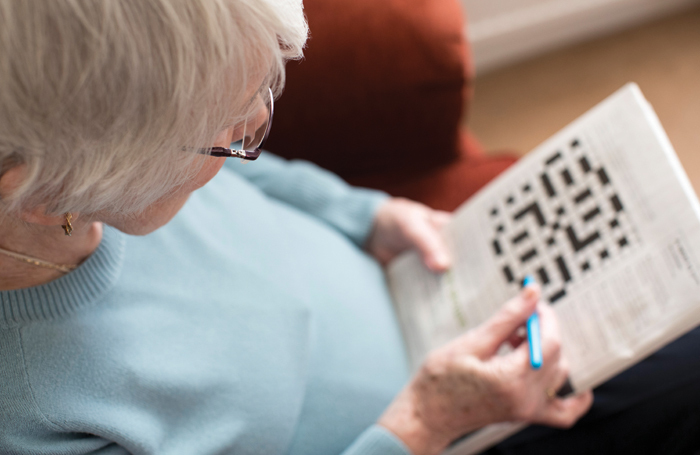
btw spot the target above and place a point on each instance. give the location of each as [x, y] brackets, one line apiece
[426, 237]
[501, 326]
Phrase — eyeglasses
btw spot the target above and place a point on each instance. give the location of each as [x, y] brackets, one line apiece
[250, 147]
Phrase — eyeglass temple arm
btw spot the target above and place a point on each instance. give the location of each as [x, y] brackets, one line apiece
[223, 152]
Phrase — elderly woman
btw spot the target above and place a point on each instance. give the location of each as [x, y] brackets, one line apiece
[251, 316]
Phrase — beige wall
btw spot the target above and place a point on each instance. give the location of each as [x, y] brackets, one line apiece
[506, 31]
[517, 107]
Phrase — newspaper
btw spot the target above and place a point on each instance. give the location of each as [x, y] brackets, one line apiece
[603, 216]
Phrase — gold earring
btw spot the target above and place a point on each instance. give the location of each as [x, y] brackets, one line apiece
[68, 228]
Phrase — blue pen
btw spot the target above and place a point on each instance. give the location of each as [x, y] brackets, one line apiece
[533, 332]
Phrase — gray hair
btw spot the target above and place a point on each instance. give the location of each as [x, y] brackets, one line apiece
[99, 97]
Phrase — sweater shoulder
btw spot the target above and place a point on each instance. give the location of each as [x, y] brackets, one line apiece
[25, 425]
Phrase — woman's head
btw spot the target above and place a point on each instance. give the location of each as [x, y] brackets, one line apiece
[98, 98]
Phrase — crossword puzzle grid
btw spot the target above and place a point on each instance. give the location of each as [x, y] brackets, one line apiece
[565, 223]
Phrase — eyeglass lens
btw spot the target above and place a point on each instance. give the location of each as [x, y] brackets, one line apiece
[255, 129]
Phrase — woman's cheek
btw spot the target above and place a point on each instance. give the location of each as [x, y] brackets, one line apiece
[209, 171]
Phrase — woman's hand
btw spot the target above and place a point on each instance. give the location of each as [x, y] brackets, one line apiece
[401, 225]
[464, 385]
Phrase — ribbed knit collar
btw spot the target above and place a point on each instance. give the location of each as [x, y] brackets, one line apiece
[79, 288]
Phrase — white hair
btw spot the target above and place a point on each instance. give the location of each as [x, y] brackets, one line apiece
[99, 97]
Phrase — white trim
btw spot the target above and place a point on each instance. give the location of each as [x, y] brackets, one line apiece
[546, 25]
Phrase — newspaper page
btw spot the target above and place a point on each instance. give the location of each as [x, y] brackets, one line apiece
[603, 216]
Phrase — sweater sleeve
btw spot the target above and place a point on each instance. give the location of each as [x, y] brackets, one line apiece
[315, 191]
[377, 441]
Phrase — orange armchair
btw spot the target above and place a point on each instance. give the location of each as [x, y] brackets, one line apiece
[381, 97]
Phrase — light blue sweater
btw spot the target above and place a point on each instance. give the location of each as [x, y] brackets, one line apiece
[253, 323]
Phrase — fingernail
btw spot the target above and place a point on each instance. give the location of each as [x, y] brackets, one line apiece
[528, 292]
[441, 260]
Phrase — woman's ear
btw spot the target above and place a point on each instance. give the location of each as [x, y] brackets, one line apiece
[9, 181]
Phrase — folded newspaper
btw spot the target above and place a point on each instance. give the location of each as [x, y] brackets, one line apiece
[604, 217]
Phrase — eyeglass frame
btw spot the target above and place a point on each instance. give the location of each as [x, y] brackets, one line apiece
[247, 155]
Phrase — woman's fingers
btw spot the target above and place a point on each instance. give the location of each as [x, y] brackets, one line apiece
[426, 237]
[564, 412]
[550, 336]
[561, 375]
[485, 340]
[440, 218]
[401, 224]
[518, 338]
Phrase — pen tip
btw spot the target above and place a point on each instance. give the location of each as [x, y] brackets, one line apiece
[529, 279]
